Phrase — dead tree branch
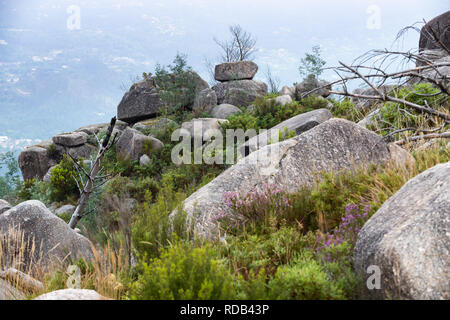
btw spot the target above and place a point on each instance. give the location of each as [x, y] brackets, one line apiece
[92, 176]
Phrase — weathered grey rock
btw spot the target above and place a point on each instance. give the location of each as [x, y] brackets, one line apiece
[365, 104]
[205, 100]
[240, 70]
[239, 92]
[408, 239]
[93, 128]
[143, 100]
[311, 83]
[155, 124]
[131, 144]
[72, 294]
[83, 151]
[65, 209]
[34, 162]
[9, 292]
[21, 280]
[48, 175]
[54, 241]
[4, 206]
[144, 160]
[440, 72]
[440, 25]
[72, 139]
[370, 119]
[334, 145]
[199, 128]
[300, 123]
[223, 111]
[286, 90]
[283, 100]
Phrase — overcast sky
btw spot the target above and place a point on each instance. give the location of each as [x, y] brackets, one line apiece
[285, 30]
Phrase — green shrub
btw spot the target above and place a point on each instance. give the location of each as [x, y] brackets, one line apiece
[62, 180]
[184, 272]
[304, 279]
[347, 110]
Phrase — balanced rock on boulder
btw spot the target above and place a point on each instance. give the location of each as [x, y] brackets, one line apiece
[408, 240]
[240, 70]
[334, 145]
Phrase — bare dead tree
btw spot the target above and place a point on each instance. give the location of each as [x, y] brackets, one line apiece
[274, 82]
[240, 47]
[372, 70]
[88, 184]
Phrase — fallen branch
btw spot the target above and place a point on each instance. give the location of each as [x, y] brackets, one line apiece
[444, 135]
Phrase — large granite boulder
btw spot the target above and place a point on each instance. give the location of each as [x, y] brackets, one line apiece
[223, 111]
[205, 100]
[299, 123]
[72, 294]
[408, 240]
[146, 97]
[441, 26]
[34, 162]
[47, 240]
[240, 70]
[239, 92]
[334, 145]
[311, 83]
[283, 100]
[131, 144]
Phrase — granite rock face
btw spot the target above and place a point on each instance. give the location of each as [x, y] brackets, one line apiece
[72, 294]
[334, 145]
[408, 239]
[239, 92]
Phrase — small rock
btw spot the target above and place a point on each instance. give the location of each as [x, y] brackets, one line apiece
[65, 209]
[282, 100]
[224, 110]
[144, 160]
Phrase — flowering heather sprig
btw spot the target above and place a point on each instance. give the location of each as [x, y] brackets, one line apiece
[256, 204]
[348, 229]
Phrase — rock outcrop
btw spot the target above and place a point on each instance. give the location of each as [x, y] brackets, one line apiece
[144, 98]
[334, 145]
[408, 239]
[239, 92]
[55, 243]
[205, 100]
[311, 83]
[34, 162]
[240, 70]
[440, 25]
[131, 144]
[199, 128]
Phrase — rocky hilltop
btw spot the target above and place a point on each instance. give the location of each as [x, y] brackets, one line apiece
[328, 199]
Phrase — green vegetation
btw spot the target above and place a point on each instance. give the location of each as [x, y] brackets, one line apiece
[286, 246]
[312, 63]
